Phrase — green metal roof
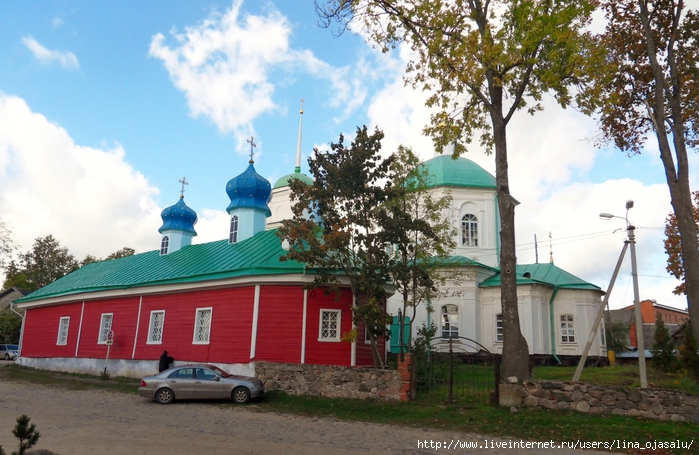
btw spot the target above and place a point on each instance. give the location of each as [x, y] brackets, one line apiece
[445, 170]
[258, 255]
[284, 181]
[546, 274]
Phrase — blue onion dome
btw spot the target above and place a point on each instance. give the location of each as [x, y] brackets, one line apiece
[179, 217]
[249, 190]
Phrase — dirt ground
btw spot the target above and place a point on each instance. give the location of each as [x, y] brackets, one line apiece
[106, 423]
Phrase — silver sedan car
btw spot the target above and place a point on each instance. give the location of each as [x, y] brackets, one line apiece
[199, 382]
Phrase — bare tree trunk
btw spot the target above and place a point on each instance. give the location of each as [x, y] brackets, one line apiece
[515, 351]
[677, 177]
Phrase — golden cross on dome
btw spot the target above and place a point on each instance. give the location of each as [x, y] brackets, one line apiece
[251, 141]
[183, 182]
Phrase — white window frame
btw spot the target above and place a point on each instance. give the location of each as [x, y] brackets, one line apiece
[499, 334]
[106, 323]
[566, 322]
[164, 245]
[451, 331]
[63, 326]
[198, 323]
[151, 326]
[469, 230]
[338, 328]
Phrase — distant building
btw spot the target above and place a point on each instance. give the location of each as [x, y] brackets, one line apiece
[674, 319]
[9, 295]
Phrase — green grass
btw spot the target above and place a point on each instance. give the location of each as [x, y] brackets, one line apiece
[529, 424]
[621, 376]
[70, 381]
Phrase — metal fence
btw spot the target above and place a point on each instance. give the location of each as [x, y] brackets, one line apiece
[457, 371]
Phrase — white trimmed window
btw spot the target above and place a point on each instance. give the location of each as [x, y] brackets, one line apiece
[164, 245]
[450, 321]
[63, 324]
[202, 326]
[155, 328]
[329, 325]
[567, 328]
[469, 230]
[233, 236]
[498, 328]
[105, 327]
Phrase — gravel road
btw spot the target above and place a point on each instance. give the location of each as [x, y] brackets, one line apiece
[106, 423]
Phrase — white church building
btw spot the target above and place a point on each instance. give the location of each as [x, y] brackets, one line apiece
[556, 309]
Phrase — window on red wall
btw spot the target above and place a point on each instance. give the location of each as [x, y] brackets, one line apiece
[105, 327]
[202, 326]
[63, 324]
[329, 329]
[155, 328]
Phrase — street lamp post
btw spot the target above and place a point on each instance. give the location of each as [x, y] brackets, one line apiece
[630, 232]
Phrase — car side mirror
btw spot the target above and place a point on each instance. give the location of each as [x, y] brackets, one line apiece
[217, 378]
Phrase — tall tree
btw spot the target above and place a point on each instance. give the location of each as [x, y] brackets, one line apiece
[422, 233]
[335, 226]
[46, 262]
[664, 357]
[482, 61]
[652, 90]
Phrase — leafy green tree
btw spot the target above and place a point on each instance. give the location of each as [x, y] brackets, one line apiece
[46, 262]
[617, 335]
[689, 351]
[651, 91]
[26, 433]
[664, 357]
[122, 253]
[335, 227]
[10, 326]
[481, 61]
[421, 231]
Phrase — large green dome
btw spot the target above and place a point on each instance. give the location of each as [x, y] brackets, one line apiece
[446, 171]
[284, 181]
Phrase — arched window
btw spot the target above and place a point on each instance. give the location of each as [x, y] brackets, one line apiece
[233, 237]
[164, 245]
[469, 230]
[450, 321]
[567, 328]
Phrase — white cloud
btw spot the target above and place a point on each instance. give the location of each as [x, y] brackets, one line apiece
[57, 22]
[91, 200]
[64, 58]
[223, 66]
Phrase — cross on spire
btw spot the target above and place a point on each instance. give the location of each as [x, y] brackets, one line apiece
[251, 141]
[183, 182]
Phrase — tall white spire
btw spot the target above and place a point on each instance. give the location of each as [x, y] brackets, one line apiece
[298, 146]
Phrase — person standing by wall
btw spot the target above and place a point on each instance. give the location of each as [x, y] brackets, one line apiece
[165, 362]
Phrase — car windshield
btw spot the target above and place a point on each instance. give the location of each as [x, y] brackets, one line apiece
[219, 371]
[12, 347]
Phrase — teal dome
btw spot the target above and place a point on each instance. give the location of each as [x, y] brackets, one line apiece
[249, 190]
[446, 171]
[284, 181]
[178, 217]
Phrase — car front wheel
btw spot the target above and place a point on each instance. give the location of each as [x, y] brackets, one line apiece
[240, 395]
[7, 356]
[165, 396]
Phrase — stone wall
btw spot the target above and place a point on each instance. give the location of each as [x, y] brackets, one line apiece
[657, 404]
[333, 381]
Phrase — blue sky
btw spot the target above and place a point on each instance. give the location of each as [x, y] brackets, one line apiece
[105, 106]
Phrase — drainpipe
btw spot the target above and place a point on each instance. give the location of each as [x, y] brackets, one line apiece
[12, 304]
[553, 326]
